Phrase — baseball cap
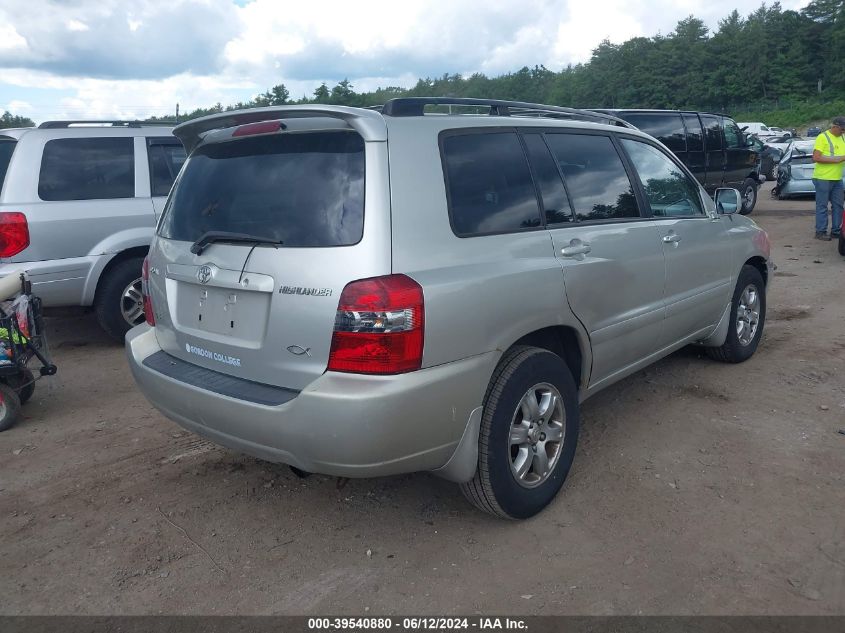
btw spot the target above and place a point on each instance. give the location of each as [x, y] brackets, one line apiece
[839, 121]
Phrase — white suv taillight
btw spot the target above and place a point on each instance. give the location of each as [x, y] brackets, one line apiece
[149, 315]
[379, 327]
[14, 233]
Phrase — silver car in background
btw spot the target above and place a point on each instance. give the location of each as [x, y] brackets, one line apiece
[432, 286]
[78, 207]
[795, 171]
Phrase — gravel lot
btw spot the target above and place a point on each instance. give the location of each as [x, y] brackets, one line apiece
[698, 488]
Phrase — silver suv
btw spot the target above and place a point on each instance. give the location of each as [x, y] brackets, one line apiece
[434, 286]
[78, 208]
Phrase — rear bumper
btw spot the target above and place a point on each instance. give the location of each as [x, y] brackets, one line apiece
[341, 424]
[59, 282]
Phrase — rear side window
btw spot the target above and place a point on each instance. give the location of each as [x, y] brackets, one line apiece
[302, 189]
[713, 133]
[666, 127]
[87, 169]
[7, 147]
[695, 137]
[555, 203]
[489, 184]
[166, 157]
[595, 177]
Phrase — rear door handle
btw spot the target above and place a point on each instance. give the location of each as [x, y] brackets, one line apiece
[576, 248]
[672, 237]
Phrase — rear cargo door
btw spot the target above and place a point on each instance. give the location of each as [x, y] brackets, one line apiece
[265, 311]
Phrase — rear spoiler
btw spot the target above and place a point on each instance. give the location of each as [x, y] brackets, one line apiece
[368, 123]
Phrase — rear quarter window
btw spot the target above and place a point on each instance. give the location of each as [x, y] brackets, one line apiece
[301, 189]
[166, 157]
[7, 148]
[87, 169]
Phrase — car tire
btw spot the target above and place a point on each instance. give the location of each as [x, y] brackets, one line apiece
[842, 245]
[511, 480]
[114, 305]
[749, 196]
[741, 344]
[23, 384]
[10, 407]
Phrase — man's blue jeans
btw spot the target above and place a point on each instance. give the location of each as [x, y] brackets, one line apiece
[829, 191]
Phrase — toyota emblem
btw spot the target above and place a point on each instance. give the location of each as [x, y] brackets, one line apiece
[204, 274]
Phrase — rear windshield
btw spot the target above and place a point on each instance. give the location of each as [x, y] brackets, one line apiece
[301, 189]
[7, 146]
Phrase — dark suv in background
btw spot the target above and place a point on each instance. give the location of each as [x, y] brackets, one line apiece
[711, 145]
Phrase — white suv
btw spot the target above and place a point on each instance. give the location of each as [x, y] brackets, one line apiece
[78, 205]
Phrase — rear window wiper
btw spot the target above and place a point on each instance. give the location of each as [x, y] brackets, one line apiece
[209, 237]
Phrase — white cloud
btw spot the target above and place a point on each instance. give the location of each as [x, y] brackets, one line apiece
[77, 26]
[10, 39]
[131, 99]
[18, 107]
[117, 60]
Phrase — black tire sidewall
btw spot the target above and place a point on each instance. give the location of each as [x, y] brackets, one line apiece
[749, 183]
[13, 407]
[110, 293]
[748, 275]
[517, 501]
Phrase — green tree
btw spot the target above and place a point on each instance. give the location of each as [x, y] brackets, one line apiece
[342, 94]
[9, 120]
[321, 94]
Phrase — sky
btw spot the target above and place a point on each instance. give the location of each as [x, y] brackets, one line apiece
[116, 59]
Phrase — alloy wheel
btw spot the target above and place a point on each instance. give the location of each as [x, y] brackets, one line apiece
[537, 433]
[748, 315]
[132, 303]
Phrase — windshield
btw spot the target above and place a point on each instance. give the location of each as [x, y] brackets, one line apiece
[301, 190]
[7, 146]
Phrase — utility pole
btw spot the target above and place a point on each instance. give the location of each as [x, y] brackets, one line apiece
[177, 113]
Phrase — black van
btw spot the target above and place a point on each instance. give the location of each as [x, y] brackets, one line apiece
[711, 145]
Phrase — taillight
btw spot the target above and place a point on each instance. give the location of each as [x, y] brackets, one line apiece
[14, 233]
[149, 315]
[379, 327]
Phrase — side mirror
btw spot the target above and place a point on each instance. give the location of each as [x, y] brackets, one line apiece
[728, 201]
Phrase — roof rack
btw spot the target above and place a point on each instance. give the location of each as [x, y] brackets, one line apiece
[415, 106]
[55, 125]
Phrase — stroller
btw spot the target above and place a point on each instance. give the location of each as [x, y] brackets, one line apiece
[21, 338]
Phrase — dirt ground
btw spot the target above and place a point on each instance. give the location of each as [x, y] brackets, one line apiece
[698, 488]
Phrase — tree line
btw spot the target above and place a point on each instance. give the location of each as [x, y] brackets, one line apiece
[8, 120]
